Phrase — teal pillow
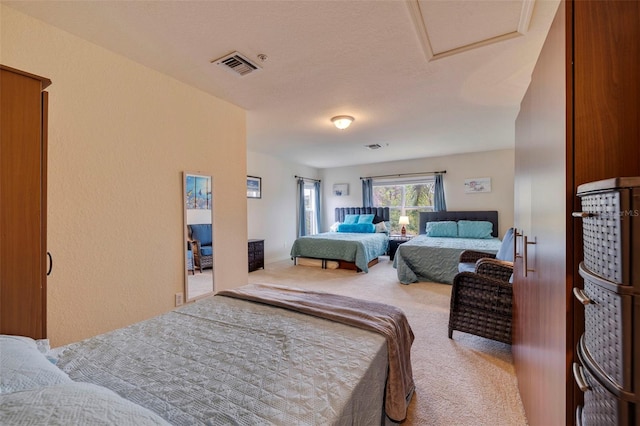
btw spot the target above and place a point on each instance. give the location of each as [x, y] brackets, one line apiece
[475, 229]
[447, 228]
[351, 219]
[366, 218]
[357, 227]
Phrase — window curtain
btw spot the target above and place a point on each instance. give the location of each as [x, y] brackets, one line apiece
[302, 228]
[367, 192]
[439, 203]
[316, 187]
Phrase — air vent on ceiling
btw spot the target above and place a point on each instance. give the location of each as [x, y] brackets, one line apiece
[373, 146]
[237, 63]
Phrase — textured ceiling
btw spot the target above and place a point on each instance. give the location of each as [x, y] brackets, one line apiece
[422, 78]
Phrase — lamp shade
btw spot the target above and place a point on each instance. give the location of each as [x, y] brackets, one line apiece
[404, 220]
[342, 121]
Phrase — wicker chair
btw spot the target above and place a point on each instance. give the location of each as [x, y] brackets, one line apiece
[481, 301]
[201, 241]
[468, 258]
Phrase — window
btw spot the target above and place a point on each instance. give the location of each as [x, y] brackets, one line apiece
[405, 197]
[311, 221]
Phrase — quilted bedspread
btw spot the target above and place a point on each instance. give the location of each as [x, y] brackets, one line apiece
[224, 361]
[351, 247]
[436, 259]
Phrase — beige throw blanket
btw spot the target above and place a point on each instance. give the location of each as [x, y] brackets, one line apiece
[379, 317]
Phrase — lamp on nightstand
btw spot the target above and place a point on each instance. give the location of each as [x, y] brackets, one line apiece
[404, 220]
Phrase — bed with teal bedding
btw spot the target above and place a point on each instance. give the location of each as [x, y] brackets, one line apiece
[352, 250]
[435, 259]
[358, 248]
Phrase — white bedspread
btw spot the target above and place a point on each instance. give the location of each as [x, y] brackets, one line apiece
[228, 361]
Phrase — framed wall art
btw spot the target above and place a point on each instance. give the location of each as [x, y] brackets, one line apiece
[475, 185]
[254, 187]
[340, 189]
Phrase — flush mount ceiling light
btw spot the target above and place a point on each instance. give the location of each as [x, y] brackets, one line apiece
[342, 121]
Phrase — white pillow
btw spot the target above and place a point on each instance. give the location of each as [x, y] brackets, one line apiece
[24, 367]
[74, 403]
[382, 227]
[334, 227]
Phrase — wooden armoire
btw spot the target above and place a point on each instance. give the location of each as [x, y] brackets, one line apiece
[579, 122]
[24, 261]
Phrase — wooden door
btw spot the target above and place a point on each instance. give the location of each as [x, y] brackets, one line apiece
[592, 54]
[540, 324]
[23, 204]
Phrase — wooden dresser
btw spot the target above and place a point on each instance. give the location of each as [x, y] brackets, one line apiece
[256, 255]
[608, 366]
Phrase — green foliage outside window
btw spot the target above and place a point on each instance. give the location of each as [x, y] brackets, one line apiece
[408, 199]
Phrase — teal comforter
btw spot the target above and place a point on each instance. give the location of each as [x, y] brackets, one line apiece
[435, 259]
[351, 247]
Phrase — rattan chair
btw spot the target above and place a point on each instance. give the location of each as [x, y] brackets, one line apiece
[481, 301]
[200, 238]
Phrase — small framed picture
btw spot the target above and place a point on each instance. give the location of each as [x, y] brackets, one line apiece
[340, 189]
[477, 185]
[254, 187]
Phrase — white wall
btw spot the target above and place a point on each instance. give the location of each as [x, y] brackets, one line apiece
[273, 217]
[120, 135]
[498, 165]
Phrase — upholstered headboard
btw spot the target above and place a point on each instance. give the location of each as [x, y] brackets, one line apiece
[382, 213]
[489, 216]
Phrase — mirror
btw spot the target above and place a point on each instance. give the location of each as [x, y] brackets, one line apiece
[198, 235]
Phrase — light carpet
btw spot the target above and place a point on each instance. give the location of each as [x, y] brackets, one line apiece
[465, 381]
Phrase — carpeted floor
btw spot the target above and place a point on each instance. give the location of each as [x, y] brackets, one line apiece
[465, 381]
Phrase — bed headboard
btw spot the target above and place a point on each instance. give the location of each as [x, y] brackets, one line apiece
[489, 216]
[382, 213]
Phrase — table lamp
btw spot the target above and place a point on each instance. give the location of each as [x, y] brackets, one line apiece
[404, 220]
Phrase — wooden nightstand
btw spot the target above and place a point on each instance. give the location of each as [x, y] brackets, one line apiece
[394, 241]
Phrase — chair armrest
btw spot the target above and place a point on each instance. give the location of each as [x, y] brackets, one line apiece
[498, 269]
[477, 291]
[195, 244]
[471, 256]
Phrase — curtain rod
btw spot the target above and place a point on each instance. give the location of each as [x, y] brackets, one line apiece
[306, 178]
[407, 174]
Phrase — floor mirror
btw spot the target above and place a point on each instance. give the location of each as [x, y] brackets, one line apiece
[198, 235]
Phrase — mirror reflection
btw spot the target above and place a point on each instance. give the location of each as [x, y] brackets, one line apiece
[198, 216]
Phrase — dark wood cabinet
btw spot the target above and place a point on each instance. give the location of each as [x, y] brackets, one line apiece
[23, 197]
[256, 255]
[579, 122]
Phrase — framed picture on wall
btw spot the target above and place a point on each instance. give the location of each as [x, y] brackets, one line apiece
[477, 185]
[254, 187]
[340, 189]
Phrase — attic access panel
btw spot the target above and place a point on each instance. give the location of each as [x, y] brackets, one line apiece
[449, 27]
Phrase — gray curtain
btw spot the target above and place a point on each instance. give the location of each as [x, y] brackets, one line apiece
[439, 203]
[367, 192]
[302, 228]
[316, 186]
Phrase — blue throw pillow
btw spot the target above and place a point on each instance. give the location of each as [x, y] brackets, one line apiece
[506, 249]
[202, 233]
[357, 227]
[475, 229]
[366, 218]
[350, 219]
[445, 228]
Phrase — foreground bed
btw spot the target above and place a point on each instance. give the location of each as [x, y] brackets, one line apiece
[435, 259]
[225, 360]
[350, 250]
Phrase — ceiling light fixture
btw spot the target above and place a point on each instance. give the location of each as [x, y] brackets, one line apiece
[342, 121]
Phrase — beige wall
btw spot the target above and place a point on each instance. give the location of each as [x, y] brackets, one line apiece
[498, 165]
[120, 135]
[273, 217]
